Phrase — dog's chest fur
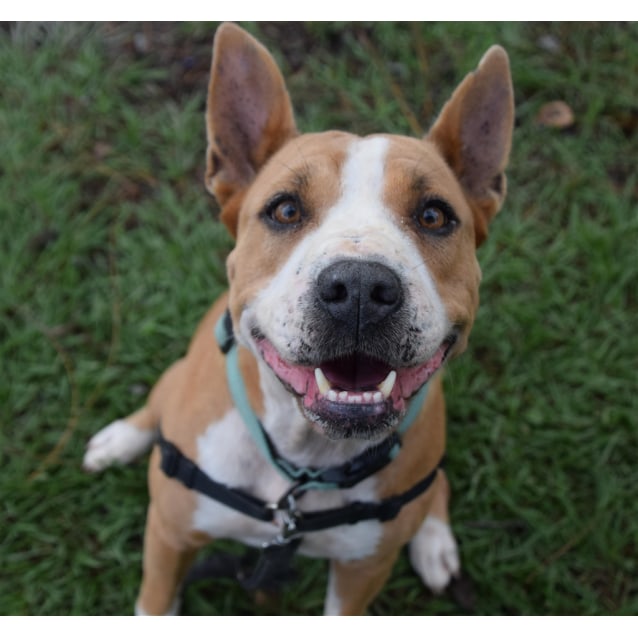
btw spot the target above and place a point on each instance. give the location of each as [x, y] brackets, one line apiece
[228, 454]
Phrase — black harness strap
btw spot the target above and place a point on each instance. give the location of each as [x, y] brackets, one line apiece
[358, 511]
[273, 564]
[180, 467]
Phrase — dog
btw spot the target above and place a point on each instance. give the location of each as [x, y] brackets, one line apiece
[315, 421]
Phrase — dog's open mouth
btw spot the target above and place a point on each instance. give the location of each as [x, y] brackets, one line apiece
[355, 395]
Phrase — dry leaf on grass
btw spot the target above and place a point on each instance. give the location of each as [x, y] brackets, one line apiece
[557, 114]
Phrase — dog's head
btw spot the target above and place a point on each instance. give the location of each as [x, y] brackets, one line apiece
[354, 275]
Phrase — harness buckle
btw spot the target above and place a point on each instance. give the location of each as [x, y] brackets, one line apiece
[289, 514]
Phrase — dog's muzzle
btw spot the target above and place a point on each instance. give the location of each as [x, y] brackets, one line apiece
[357, 369]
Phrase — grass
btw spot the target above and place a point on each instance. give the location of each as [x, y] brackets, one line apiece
[110, 253]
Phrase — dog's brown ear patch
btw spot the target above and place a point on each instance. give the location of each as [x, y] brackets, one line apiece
[249, 116]
[474, 135]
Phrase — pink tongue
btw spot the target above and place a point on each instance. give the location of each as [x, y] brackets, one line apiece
[357, 372]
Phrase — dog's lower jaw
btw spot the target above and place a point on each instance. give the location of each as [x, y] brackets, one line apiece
[344, 426]
[300, 438]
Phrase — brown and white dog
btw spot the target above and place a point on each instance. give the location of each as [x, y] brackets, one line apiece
[353, 278]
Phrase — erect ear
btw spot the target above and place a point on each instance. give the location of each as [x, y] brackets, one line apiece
[249, 116]
[474, 135]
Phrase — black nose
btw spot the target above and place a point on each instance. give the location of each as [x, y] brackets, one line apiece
[359, 293]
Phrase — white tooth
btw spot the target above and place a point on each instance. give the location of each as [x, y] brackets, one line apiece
[367, 397]
[332, 395]
[343, 396]
[322, 382]
[354, 398]
[377, 397]
[386, 386]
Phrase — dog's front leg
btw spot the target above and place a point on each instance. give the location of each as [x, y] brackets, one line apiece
[354, 584]
[126, 439]
[165, 564]
[433, 550]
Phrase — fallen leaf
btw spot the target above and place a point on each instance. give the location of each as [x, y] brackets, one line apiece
[557, 114]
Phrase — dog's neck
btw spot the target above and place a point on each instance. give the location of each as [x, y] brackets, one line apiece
[295, 438]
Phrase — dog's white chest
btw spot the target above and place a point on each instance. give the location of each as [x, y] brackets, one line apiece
[227, 453]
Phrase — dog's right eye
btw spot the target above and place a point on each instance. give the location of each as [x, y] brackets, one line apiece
[436, 217]
[283, 211]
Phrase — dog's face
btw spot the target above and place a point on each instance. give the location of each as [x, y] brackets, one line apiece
[354, 275]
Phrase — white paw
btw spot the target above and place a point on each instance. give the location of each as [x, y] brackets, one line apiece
[434, 554]
[173, 610]
[119, 442]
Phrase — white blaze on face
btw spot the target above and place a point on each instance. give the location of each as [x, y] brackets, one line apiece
[359, 225]
[361, 211]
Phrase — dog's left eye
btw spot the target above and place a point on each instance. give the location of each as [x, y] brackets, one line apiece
[435, 216]
[284, 211]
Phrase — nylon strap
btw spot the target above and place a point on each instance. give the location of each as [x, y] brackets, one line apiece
[176, 465]
[273, 564]
[359, 511]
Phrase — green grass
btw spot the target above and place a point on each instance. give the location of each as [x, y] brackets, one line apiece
[110, 253]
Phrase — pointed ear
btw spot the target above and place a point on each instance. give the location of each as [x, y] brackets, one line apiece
[474, 135]
[249, 116]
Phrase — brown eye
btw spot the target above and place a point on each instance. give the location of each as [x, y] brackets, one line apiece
[283, 212]
[432, 219]
[286, 212]
[436, 217]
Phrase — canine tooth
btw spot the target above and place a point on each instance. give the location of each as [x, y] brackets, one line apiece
[386, 386]
[322, 382]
